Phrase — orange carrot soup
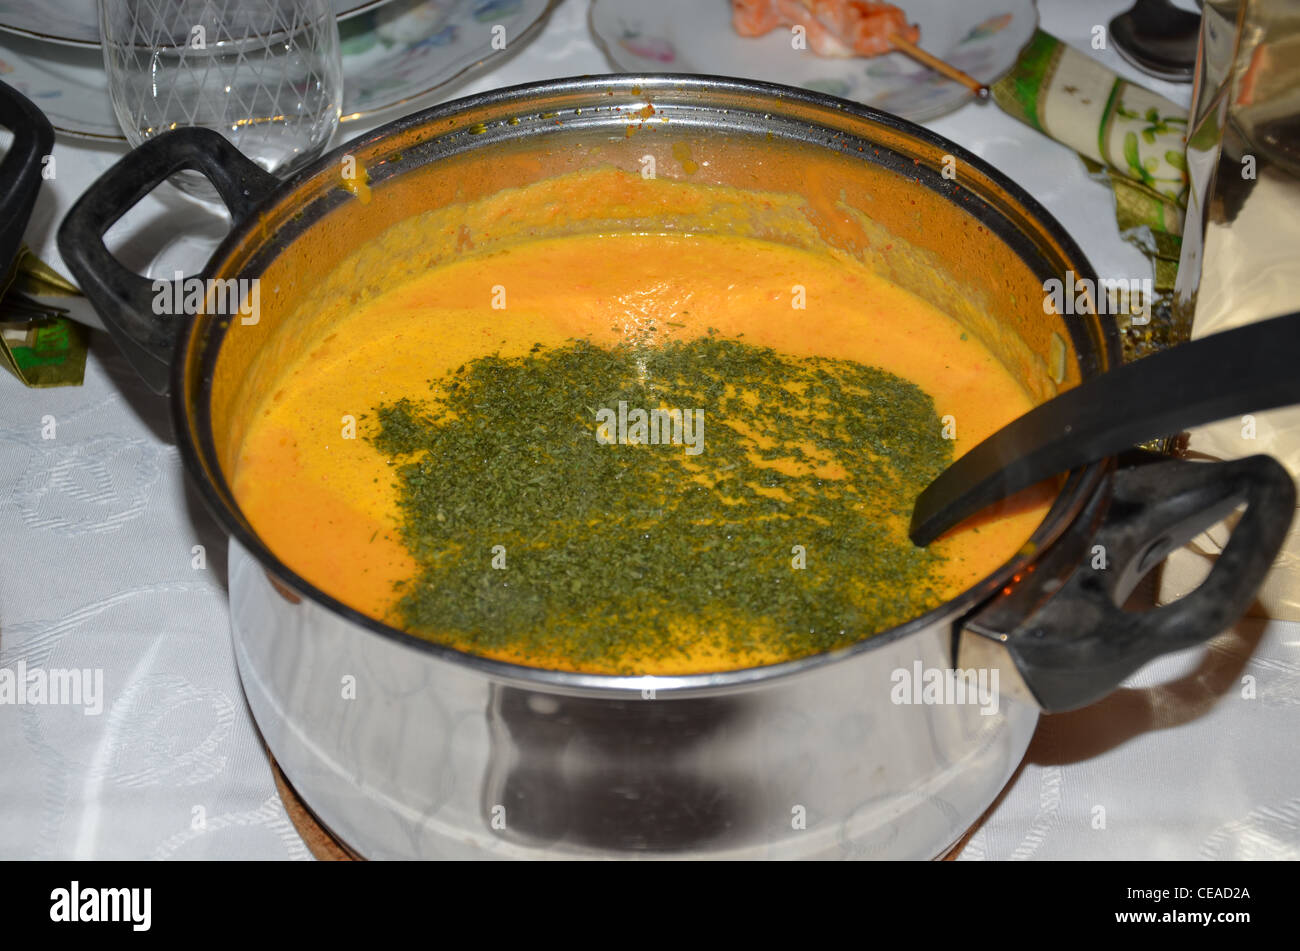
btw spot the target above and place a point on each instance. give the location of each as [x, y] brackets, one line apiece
[630, 452]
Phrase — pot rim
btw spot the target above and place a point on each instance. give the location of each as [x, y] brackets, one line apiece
[1079, 486]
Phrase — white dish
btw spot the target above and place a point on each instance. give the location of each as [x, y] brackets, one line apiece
[982, 37]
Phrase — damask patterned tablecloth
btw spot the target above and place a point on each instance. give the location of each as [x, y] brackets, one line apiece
[109, 562]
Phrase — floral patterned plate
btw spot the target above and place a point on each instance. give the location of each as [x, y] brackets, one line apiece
[392, 54]
[982, 37]
[76, 22]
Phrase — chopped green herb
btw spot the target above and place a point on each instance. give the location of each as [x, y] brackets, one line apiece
[612, 549]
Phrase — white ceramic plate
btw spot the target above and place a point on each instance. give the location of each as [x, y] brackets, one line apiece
[982, 37]
[391, 55]
[76, 22]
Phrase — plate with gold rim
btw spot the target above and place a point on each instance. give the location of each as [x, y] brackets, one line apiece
[392, 54]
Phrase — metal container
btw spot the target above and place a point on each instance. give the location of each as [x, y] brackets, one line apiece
[404, 748]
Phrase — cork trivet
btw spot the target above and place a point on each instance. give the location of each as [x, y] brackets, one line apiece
[951, 854]
[320, 842]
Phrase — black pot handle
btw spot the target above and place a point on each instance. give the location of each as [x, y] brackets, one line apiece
[1077, 644]
[124, 299]
[20, 172]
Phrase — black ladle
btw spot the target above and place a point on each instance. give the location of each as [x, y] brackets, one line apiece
[1247, 370]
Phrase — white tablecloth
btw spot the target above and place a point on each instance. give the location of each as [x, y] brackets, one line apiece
[1194, 757]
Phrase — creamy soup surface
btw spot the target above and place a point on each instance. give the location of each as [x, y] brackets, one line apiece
[330, 506]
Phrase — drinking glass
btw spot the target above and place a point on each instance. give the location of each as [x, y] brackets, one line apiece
[266, 74]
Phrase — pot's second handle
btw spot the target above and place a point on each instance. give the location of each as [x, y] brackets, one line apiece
[124, 299]
[1076, 645]
[20, 170]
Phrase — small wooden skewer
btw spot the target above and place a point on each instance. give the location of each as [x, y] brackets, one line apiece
[980, 90]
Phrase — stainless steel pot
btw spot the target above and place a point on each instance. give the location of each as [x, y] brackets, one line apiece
[404, 748]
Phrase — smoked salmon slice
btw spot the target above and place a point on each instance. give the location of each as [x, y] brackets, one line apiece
[833, 27]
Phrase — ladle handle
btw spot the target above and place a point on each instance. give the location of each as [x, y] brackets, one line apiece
[1247, 370]
[126, 301]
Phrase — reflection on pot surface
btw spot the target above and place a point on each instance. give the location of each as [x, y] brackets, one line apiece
[620, 775]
